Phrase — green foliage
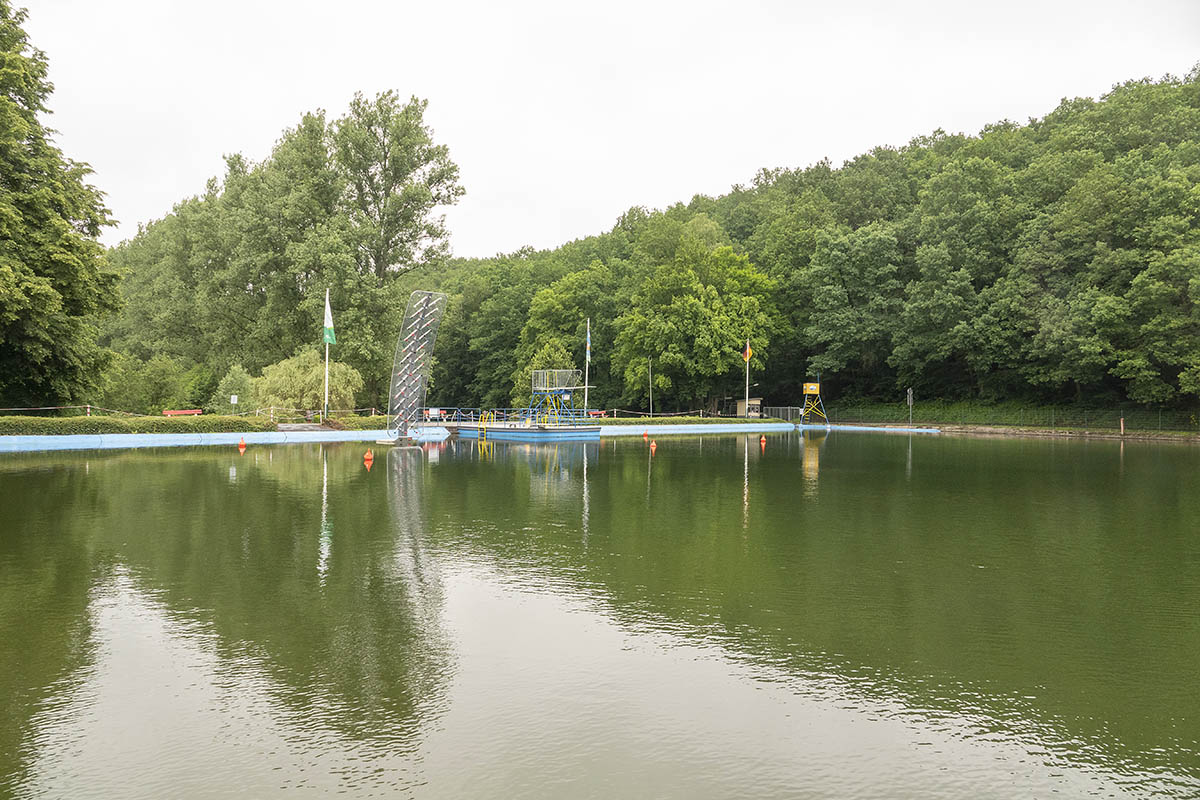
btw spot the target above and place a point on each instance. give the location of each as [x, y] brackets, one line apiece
[46, 426]
[692, 316]
[375, 423]
[1044, 263]
[236, 382]
[299, 382]
[148, 387]
[55, 285]
[551, 355]
[238, 274]
[395, 177]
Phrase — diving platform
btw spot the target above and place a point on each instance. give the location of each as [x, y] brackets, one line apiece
[520, 431]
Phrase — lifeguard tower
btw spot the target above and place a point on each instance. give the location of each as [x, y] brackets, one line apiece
[813, 406]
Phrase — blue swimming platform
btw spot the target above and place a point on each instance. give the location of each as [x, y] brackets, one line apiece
[509, 432]
[716, 427]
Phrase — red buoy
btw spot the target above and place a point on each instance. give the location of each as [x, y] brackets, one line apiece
[645, 435]
[242, 445]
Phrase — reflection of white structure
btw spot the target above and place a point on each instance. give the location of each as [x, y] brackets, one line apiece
[415, 568]
[326, 537]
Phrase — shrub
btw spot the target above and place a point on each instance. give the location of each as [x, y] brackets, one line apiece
[43, 426]
[299, 382]
[377, 423]
[237, 381]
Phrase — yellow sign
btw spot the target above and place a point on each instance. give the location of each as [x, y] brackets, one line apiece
[812, 388]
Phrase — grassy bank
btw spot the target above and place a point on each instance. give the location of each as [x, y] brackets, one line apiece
[62, 426]
[1138, 419]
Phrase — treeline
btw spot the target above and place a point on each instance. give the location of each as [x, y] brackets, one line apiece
[1056, 261]
[232, 282]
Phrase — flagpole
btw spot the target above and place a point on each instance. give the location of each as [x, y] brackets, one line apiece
[747, 378]
[325, 410]
[587, 365]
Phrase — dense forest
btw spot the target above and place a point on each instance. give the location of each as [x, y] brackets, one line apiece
[1056, 261]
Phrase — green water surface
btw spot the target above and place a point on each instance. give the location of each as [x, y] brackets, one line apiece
[829, 615]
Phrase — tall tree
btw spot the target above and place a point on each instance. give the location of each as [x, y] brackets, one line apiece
[396, 176]
[54, 283]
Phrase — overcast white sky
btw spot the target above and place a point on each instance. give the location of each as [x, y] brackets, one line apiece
[562, 115]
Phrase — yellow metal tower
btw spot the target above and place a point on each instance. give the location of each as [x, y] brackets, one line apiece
[812, 403]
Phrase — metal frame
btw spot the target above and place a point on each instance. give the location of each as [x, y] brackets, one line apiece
[551, 400]
[413, 361]
[813, 404]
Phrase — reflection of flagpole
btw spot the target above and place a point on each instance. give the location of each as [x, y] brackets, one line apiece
[746, 485]
[585, 492]
[587, 365]
[323, 544]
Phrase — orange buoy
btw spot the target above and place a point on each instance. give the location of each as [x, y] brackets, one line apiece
[645, 434]
[762, 439]
[242, 445]
[653, 445]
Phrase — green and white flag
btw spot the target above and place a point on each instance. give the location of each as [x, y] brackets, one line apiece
[329, 337]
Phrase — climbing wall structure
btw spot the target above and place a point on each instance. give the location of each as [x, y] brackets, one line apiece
[414, 354]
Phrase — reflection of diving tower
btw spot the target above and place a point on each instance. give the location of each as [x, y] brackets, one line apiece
[414, 353]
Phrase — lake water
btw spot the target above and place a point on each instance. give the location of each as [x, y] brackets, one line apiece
[830, 615]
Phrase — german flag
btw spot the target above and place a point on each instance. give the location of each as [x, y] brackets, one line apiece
[746, 351]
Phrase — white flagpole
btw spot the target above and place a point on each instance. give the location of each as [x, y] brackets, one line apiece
[325, 412]
[747, 379]
[587, 365]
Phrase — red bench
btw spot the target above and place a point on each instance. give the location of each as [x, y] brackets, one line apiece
[597, 413]
[182, 412]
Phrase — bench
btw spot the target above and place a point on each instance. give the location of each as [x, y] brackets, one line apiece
[182, 412]
[597, 413]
